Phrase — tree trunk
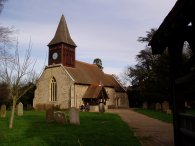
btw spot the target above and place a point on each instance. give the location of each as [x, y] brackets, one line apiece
[11, 121]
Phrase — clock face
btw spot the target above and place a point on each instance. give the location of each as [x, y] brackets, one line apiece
[55, 56]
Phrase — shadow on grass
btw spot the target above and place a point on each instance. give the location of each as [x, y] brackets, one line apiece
[96, 129]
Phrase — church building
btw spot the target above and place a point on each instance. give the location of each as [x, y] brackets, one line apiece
[67, 82]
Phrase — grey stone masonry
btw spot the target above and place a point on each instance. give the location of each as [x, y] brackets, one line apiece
[101, 108]
[19, 109]
[60, 117]
[158, 106]
[165, 106]
[49, 115]
[74, 116]
[145, 105]
[3, 111]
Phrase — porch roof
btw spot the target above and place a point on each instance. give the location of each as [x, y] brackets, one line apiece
[93, 91]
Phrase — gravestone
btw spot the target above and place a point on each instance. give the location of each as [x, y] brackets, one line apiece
[145, 105]
[165, 106]
[49, 115]
[60, 117]
[101, 108]
[187, 105]
[169, 112]
[158, 106]
[74, 116]
[19, 109]
[3, 111]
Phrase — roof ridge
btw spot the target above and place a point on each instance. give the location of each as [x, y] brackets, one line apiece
[86, 63]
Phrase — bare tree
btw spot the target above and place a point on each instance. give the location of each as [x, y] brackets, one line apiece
[1, 4]
[124, 77]
[16, 72]
[6, 35]
[6, 41]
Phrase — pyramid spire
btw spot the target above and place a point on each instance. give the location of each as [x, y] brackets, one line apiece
[62, 34]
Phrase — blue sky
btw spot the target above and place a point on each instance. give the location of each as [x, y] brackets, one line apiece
[107, 29]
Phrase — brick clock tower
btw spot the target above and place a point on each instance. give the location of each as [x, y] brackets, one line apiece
[62, 47]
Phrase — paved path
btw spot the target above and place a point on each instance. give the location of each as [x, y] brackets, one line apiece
[149, 131]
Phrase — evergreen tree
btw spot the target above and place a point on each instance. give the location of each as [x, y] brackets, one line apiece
[98, 62]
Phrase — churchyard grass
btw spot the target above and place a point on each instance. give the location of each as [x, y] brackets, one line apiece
[95, 129]
[190, 111]
[155, 114]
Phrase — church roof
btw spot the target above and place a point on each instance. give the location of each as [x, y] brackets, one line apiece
[62, 34]
[93, 91]
[85, 73]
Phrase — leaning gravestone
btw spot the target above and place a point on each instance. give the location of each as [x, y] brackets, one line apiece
[60, 117]
[165, 106]
[74, 116]
[145, 105]
[19, 109]
[49, 115]
[158, 106]
[101, 108]
[3, 111]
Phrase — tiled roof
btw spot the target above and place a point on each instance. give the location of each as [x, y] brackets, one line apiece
[93, 91]
[111, 80]
[90, 74]
[62, 34]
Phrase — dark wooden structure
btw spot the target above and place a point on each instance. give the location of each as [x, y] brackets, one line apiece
[177, 28]
[62, 47]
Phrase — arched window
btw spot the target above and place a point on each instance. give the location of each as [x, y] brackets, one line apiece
[53, 89]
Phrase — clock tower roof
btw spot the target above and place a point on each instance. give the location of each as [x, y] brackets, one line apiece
[62, 34]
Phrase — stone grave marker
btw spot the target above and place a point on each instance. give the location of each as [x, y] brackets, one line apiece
[165, 106]
[74, 116]
[3, 111]
[145, 105]
[19, 109]
[169, 111]
[49, 115]
[60, 117]
[158, 106]
[101, 108]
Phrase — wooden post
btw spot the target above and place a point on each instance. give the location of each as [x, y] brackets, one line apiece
[175, 55]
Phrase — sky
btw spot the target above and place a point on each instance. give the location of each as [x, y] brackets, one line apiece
[105, 29]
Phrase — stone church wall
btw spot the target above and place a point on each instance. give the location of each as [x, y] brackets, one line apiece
[42, 93]
[79, 93]
[123, 100]
[116, 99]
[111, 94]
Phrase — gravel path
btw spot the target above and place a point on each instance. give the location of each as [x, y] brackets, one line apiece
[149, 131]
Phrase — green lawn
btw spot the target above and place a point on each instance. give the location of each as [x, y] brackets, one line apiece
[191, 111]
[96, 129]
[155, 114]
